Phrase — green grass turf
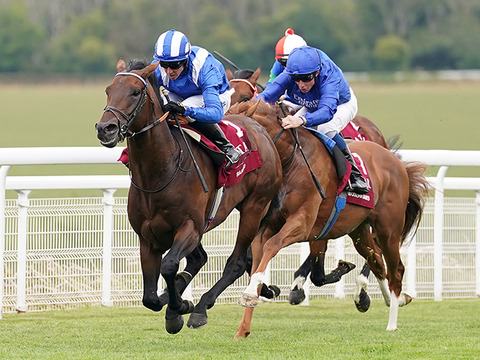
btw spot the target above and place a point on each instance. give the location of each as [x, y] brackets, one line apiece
[327, 329]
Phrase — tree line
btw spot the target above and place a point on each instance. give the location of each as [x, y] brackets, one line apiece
[89, 36]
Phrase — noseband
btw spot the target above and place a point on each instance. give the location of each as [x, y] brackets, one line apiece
[124, 132]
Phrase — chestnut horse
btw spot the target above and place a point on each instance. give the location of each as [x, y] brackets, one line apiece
[167, 206]
[399, 189]
[244, 85]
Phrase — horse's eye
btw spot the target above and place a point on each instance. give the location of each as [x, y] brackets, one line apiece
[136, 92]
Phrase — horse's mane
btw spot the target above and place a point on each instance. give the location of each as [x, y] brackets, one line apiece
[243, 74]
[262, 109]
[137, 64]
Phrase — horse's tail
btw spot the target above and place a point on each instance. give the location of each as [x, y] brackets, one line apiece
[419, 188]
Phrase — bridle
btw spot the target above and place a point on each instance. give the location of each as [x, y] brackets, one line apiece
[254, 88]
[123, 130]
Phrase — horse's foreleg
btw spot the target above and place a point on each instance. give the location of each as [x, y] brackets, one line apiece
[185, 241]
[244, 327]
[195, 261]
[151, 261]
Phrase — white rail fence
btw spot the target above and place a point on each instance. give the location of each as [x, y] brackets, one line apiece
[60, 253]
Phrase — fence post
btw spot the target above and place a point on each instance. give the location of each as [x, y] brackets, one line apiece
[438, 235]
[340, 254]
[108, 202]
[3, 177]
[23, 204]
[477, 242]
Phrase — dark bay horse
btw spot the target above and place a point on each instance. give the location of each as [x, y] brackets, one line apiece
[244, 85]
[399, 190]
[167, 206]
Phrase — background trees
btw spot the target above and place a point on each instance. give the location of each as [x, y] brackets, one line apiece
[88, 36]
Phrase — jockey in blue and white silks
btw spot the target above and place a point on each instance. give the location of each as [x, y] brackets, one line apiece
[324, 98]
[198, 86]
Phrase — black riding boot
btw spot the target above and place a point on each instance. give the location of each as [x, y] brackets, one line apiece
[215, 134]
[357, 182]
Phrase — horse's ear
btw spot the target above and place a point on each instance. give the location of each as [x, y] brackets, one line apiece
[229, 74]
[121, 65]
[253, 108]
[255, 76]
[148, 70]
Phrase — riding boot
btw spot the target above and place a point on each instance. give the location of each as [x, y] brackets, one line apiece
[357, 182]
[215, 134]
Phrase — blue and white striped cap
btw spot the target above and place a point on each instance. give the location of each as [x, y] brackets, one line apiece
[172, 45]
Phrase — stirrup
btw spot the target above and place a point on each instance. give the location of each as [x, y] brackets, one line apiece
[233, 156]
[357, 188]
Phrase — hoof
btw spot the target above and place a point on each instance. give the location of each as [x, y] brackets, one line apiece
[174, 325]
[347, 265]
[296, 297]
[275, 289]
[408, 299]
[197, 320]
[270, 292]
[248, 300]
[364, 303]
[241, 335]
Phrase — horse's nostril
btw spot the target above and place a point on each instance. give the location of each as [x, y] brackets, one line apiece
[111, 128]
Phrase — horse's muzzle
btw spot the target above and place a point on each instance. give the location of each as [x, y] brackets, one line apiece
[107, 133]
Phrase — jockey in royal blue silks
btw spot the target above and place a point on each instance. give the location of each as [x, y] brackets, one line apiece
[198, 87]
[324, 98]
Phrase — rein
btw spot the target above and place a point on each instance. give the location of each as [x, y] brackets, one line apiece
[297, 144]
[294, 148]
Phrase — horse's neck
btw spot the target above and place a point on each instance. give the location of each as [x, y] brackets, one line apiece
[153, 153]
[284, 141]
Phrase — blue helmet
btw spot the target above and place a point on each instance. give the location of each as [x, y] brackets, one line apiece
[172, 45]
[303, 60]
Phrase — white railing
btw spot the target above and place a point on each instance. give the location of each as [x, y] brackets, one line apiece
[100, 236]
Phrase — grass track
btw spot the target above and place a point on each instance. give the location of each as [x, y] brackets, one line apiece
[327, 329]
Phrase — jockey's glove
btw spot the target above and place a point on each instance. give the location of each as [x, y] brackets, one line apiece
[174, 108]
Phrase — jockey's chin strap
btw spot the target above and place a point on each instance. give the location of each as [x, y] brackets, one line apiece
[124, 131]
[254, 88]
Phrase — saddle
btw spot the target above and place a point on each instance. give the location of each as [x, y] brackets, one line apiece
[344, 169]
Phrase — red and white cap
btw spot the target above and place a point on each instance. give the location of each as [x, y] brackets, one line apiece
[287, 43]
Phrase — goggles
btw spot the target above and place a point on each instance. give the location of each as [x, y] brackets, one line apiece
[283, 62]
[302, 77]
[174, 65]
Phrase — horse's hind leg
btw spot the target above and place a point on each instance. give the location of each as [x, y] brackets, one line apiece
[364, 242]
[297, 293]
